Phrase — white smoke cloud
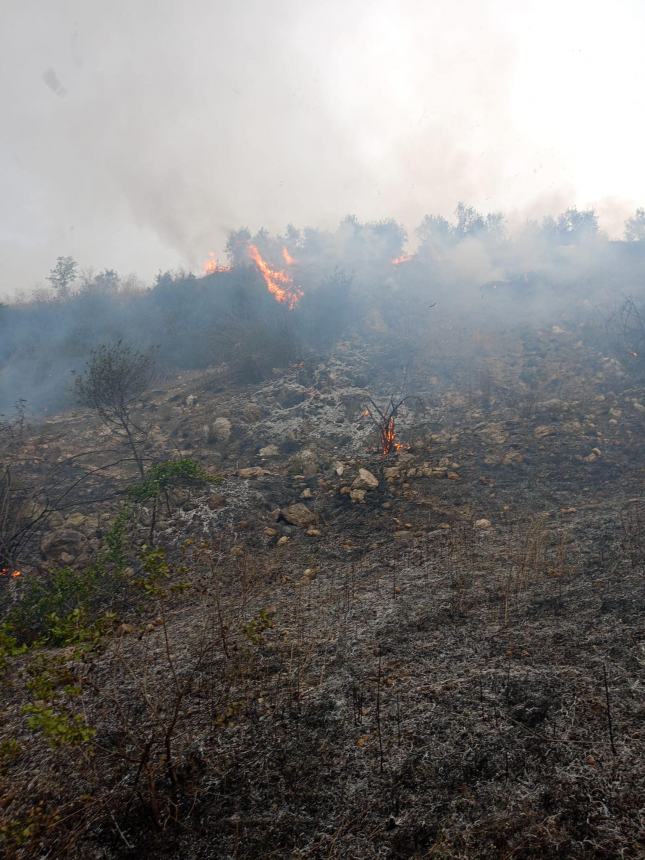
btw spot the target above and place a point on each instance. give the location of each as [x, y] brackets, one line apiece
[135, 135]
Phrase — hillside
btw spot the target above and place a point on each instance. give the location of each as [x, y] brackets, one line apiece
[312, 649]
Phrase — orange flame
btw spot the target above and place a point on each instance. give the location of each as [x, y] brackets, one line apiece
[286, 256]
[404, 258]
[12, 573]
[278, 283]
[211, 266]
[388, 437]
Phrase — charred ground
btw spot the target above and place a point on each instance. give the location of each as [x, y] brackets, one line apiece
[438, 658]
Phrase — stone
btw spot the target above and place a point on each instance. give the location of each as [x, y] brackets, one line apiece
[82, 522]
[544, 430]
[365, 480]
[595, 454]
[391, 473]
[512, 458]
[63, 545]
[306, 494]
[357, 495]
[252, 472]
[403, 535]
[283, 540]
[482, 524]
[312, 532]
[269, 451]
[299, 515]
[215, 502]
[494, 433]
[221, 429]
[252, 412]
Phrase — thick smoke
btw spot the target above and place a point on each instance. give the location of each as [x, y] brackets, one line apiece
[136, 135]
[358, 278]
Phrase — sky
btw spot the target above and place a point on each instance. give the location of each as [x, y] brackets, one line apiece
[134, 135]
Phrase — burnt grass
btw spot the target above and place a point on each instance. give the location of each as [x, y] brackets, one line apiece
[399, 680]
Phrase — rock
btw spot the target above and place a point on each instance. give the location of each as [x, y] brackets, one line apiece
[191, 400]
[252, 412]
[270, 532]
[553, 407]
[312, 532]
[345, 491]
[339, 469]
[63, 545]
[283, 540]
[221, 429]
[252, 472]
[269, 451]
[306, 494]
[55, 520]
[494, 433]
[82, 522]
[595, 454]
[299, 515]
[512, 458]
[544, 430]
[305, 461]
[391, 473]
[365, 480]
[357, 495]
[482, 524]
[403, 535]
[215, 502]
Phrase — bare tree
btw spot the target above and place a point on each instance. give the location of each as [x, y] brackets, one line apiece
[114, 379]
[63, 275]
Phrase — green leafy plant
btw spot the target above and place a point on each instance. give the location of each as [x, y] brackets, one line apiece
[161, 479]
[59, 728]
[256, 627]
[9, 646]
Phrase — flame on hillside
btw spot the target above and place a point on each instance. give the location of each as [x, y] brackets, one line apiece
[211, 265]
[286, 256]
[389, 442]
[404, 258]
[279, 283]
[13, 574]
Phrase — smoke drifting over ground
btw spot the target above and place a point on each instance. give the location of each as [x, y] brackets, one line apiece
[136, 135]
[280, 298]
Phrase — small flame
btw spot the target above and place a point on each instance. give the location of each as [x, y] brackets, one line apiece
[279, 284]
[286, 256]
[404, 258]
[211, 265]
[388, 437]
[13, 574]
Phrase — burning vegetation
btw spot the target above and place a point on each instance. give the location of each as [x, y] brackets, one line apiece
[279, 283]
[342, 544]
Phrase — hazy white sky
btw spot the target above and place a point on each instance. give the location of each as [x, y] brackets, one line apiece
[135, 133]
